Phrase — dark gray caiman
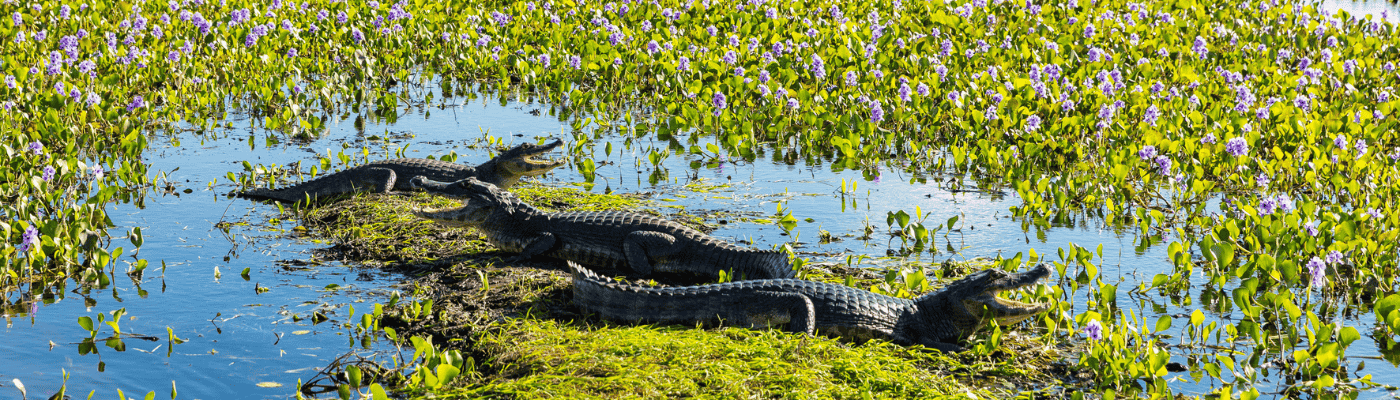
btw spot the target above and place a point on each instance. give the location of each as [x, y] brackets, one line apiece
[937, 320]
[382, 176]
[610, 239]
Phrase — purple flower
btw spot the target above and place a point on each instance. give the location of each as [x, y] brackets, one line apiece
[93, 99]
[1285, 203]
[1360, 147]
[1375, 213]
[1199, 47]
[851, 78]
[544, 60]
[653, 47]
[1094, 329]
[1106, 116]
[1303, 102]
[730, 57]
[356, 34]
[136, 102]
[792, 103]
[500, 19]
[719, 102]
[1237, 147]
[1209, 138]
[1340, 141]
[818, 67]
[30, 239]
[1089, 30]
[1316, 268]
[683, 64]
[1032, 123]
[341, 17]
[1334, 257]
[1262, 180]
[10, 81]
[574, 61]
[1164, 165]
[36, 148]
[1151, 115]
[1147, 152]
[48, 173]
[58, 87]
[1311, 228]
[17, 18]
[97, 171]
[877, 113]
[904, 91]
[991, 113]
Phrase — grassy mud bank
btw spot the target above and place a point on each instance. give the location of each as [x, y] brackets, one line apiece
[517, 333]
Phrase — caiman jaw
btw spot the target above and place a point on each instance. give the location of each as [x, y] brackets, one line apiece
[1006, 311]
[528, 165]
[463, 216]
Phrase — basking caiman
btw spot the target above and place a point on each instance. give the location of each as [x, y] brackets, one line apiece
[937, 320]
[641, 242]
[382, 176]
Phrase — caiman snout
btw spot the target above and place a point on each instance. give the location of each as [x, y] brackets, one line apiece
[1006, 311]
[527, 163]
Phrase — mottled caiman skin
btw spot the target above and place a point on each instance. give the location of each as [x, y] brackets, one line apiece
[641, 242]
[937, 320]
[383, 176]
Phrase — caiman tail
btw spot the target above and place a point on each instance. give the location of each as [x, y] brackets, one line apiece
[761, 264]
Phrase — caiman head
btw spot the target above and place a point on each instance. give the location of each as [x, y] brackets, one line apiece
[969, 301]
[479, 200]
[521, 161]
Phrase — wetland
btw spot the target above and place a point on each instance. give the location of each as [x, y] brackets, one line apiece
[1212, 183]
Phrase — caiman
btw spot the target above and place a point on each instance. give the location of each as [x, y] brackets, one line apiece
[611, 239]
[383, 176]
[936, 320]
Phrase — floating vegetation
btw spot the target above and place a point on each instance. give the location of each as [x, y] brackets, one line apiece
[1255, 140]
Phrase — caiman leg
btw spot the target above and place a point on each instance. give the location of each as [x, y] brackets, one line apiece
[538, 245]
[802, 316]
[942, 346]
[640, 246]
[374, 180]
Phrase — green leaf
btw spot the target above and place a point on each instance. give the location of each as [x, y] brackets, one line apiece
[1386, 306]
[1163, 323]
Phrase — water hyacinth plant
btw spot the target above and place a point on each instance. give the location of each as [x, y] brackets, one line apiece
[1060, 101]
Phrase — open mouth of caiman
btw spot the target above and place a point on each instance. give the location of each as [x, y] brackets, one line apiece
[535, 162]
[1007, 311]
